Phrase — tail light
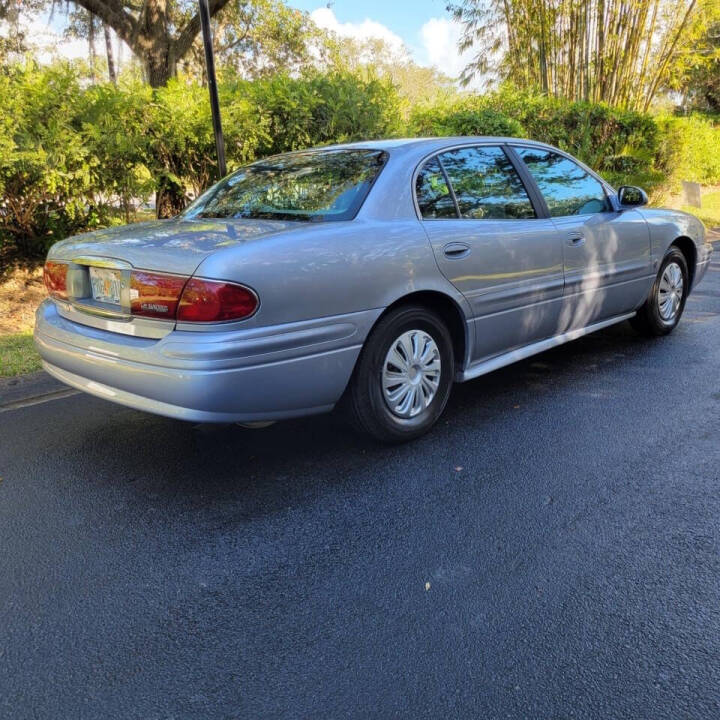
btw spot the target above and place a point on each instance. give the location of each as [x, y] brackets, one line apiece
[55, 279]
[154, 294]
[160, 295]
[214, 301]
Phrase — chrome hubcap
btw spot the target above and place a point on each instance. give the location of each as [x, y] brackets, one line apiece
[411, 373]
[670, 292]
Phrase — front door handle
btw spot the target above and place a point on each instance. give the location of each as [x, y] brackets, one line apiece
[576, 240]
[455, 250]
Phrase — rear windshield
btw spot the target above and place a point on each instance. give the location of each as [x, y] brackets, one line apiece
[319, 185]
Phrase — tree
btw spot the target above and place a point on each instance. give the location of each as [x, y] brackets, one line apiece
[414, 82]
[159, 32]
[251, 38]
[15, 44]
[698, 74]
[112, 72]
[619, 51]
[261, 38]
[82, 24]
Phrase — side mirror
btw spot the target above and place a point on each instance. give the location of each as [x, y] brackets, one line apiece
[631, 196]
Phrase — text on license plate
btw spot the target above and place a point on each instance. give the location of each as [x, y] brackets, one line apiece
[106, 284]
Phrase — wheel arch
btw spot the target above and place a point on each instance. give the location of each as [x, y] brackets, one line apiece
[451, 313]
[687, 247]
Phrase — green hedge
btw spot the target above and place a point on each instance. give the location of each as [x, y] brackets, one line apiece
[70, 156]
[46, 167]
[689, 149]
[626, 147]
[463, 116]
[615, 142]
[75, 157]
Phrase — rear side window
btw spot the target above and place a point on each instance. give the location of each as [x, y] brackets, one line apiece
[432, 192]
[486, 184]
[566, 187]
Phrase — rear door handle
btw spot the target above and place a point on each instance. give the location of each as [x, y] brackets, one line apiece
[576, 240]
[455, 250]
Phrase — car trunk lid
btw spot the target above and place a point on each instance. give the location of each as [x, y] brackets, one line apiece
[116, 274]
[172, 246]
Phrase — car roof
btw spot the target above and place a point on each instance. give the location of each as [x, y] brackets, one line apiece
[426, 143]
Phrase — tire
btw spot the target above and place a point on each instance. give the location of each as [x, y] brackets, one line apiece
[381, 407]
[657, 317]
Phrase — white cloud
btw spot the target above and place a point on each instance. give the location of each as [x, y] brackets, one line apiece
[438, 46]
[440, 39]
[365, 30]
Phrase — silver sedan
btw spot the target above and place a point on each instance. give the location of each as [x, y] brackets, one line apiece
[370, 275]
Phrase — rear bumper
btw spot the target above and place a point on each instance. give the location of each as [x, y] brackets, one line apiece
[241, 375]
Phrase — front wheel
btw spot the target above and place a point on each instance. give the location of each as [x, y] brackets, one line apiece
[665, 304]
[403, 377]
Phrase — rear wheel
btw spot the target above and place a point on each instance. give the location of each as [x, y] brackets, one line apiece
[403, 377]
[665, 304]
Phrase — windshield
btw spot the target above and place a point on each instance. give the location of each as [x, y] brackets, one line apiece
[318, 185]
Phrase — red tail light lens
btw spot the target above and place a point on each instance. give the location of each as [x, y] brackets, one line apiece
[154, 294]
[55, 279]
[214, 301]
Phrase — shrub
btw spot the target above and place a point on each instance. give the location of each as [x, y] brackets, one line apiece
[181, 143]
[618, 143]
[114, 126]
[71, 156]
[466, 115]
[688, 150]
[594, 132]
[46, 168]
[322, 109]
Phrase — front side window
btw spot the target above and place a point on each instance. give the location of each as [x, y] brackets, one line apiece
[432, 192]
[566, 187]
[319, 185]
[486, 184]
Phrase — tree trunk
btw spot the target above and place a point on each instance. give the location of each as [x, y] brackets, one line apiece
[156, 42]
[159, 68]
[151, 35]
[170, 197]
[91, 45]
[110, 58]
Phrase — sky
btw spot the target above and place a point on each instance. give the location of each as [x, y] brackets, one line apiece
[423, 27]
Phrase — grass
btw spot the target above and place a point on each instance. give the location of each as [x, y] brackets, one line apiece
[709, 213]
[18, 355]
[21, 291]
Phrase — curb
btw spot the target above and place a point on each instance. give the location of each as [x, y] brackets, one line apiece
[30, 389]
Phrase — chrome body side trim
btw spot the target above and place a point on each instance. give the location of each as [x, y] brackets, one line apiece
[521, 353]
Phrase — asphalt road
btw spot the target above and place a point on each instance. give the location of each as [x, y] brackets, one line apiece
[551, 550]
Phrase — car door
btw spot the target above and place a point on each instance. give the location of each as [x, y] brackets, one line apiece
[606, 253]
[492, 242]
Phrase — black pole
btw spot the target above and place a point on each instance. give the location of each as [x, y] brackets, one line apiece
[212, 85]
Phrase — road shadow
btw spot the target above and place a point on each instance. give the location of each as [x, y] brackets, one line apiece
[295, 460]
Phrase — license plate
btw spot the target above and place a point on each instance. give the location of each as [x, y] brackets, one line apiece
[106, 285]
